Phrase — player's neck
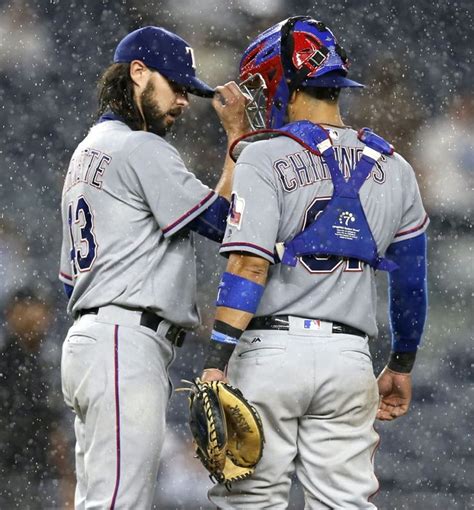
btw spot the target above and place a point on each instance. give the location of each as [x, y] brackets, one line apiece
[319, 112]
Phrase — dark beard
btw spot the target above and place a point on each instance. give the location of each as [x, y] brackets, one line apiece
[154, 117]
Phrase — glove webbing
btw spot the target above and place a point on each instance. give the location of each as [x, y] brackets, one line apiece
[212, 424]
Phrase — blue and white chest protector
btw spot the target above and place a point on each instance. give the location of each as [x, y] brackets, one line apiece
[341, 229]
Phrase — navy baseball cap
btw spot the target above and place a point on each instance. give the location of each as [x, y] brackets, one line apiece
[166, 52]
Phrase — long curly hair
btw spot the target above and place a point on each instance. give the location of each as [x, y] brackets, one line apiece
[115, 93]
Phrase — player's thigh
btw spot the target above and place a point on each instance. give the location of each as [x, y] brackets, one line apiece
[262, 369]
[144, 388]
[101, 360]
[259, 364]
[123, 449]
[336, 438]
[140, 433]
[135, 390]
[121, 399]
[82, 355]
[270, 484]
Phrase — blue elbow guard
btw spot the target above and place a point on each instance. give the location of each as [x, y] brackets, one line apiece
[239, 293]
[212, 222]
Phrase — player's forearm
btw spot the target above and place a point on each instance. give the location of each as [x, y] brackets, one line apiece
[239, 294]
[229, 103]
[252, 267]
[235, 318]
[224, 186]
[229, 325]
[408, 301]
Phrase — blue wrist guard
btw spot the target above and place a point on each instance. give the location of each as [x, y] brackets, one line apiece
[222, 338]
[239, 293]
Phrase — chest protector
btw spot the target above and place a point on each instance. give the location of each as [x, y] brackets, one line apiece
[341, 229]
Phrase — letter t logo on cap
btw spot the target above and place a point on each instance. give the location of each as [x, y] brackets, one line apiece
[191, 51]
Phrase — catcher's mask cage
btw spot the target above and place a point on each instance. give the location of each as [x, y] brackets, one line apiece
[294, 52]
[255, 88]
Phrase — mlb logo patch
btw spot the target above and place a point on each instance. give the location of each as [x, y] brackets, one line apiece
[312, 324]
[237, 206]
[309, 327]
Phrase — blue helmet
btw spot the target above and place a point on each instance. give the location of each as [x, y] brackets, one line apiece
[296, 52]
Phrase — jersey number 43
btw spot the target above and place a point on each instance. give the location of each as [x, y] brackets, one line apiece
[83, 241]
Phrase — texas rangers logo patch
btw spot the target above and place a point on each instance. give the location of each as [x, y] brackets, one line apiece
[237, 206]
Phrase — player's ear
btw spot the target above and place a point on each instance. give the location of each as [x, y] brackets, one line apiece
[139, 73]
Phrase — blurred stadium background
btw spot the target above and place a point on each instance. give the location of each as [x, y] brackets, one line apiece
[416, 58]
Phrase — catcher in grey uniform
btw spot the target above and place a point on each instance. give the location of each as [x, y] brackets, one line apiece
[129, 207]
[316, 209]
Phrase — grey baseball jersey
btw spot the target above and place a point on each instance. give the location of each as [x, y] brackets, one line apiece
[279, 187]
[126, 200]
[126, 193]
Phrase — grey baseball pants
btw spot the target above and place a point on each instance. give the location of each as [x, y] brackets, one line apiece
[115, 378]
[317, 395]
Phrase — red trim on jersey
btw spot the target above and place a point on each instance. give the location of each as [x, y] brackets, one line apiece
[64, 275]
[249, 245]
[244, 136]
[414, 229]
[117, 416]
[279, 132]
[187, 214]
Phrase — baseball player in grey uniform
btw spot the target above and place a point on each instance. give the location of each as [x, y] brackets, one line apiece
[129, 207]
[316, 209]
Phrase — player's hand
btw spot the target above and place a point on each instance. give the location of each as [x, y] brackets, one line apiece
[395, 394]
[229, 103]
[213, 374]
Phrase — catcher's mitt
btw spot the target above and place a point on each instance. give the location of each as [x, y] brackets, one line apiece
[227, 431]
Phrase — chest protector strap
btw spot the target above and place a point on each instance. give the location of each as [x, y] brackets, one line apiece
[341, 229]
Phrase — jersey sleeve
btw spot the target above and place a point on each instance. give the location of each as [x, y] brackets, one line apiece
[414, 218]
[254, 215]
[175, 195]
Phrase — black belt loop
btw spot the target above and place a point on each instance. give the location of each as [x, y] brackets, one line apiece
[175, 334]
[86, 311]
[150, 320]
[282, 323]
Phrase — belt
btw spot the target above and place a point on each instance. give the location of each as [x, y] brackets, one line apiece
[150, 320]
[282, 322]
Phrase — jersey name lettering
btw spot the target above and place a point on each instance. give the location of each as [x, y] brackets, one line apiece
[304, 168]
[87, 166]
